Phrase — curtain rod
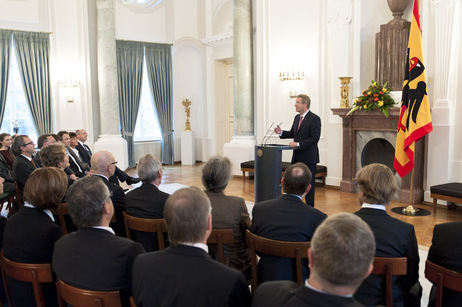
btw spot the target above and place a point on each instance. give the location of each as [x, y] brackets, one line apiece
[128, 40]
[28, 31]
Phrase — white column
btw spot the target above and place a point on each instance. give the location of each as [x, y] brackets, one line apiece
[110, 138]
[242, 145]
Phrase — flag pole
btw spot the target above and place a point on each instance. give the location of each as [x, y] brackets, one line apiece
[410, 210]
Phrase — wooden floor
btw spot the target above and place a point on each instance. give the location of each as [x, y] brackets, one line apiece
[327, 199]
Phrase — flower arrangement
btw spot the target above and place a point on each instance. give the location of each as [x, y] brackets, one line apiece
[376, 96]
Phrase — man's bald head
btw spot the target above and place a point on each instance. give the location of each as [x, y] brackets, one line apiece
[296, 179]
[103, 162]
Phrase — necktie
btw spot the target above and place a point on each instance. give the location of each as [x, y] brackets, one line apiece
[87, 148]
[300, 122]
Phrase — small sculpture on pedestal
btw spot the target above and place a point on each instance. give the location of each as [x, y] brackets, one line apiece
[344, 91]
[186, 104]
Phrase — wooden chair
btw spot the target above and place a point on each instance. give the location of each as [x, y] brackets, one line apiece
[61, 211]
[7, 200]
[217, 238]
[389, 267]
[442, 278]
[147, 225]
[17, 195]
[257, 244]
[86, 298]
[35, 273]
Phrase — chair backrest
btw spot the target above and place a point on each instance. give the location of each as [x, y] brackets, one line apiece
[61, 211]
[17, 195]
[219, 237]
[147, 225]
[442, 278]
[35, 273]
[86, 298]
[8, 201]
[389, 267]
[286, 249]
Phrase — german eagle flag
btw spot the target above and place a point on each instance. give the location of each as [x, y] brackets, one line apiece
[414, 119]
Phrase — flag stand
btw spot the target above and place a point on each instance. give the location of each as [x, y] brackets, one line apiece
[410, 210]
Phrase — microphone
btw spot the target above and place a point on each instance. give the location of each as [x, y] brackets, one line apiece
[271, 134]
[266, 133]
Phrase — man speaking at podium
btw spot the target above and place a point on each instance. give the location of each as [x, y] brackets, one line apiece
[305, 131]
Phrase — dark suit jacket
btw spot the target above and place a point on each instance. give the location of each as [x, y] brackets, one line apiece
[288, 293]
[95, 259]
[22, 168]
[393, 238]
[231, 212]
[75, 162]
[307, 137]
[29, 237]
[118, 200]
[84, 155]
[446, 250]
[285, 218]
[186, 276]
[5, 173]
[147, 201]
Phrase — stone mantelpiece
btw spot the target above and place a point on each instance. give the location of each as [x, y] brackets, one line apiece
[376, 121]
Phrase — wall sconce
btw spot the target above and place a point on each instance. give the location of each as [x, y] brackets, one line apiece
[292, 77]
[69, 83]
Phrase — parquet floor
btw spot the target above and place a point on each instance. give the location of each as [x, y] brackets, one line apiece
[327, 199]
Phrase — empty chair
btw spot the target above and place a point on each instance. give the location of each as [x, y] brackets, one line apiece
[285, 249]
[217, 238]
[86, 298]
[442, 278]
[389, 267]
[156, 226]
[35, 273]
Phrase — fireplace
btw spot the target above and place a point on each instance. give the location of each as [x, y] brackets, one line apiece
[370, 137]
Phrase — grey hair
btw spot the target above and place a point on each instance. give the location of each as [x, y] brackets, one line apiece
[216, 173]
[148, 167]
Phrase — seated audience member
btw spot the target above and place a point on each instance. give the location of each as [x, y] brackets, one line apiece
[43, 141]
[446, 251]
[93, 258]
[5, 173]
[55, 155]
[228, 212]
[56, 137]
[103, 166]
[85, 155]
[31, 233]
[23, 148]
[5, 149]
[80, 168]
[147, 201]
[340, 257]
[393, 238]
[184, 274]
[286, 218]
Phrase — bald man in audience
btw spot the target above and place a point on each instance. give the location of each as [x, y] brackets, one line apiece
[184, 274]
[147, 201]
[93, 258]
[85, 155]
[340, 257]
[286, 218]
[103, 166]
[23, 148]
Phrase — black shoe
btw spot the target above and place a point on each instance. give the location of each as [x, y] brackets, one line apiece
[132, 180]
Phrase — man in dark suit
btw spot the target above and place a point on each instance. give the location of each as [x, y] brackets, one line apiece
[446, 251]
[85, 155]
[306, 130]
[103, 166]
[93, 258]
[340, 257]
[184, 274]
[286, 218]
[393, 238]
[147, 201]
[43, 141]
[23, 148]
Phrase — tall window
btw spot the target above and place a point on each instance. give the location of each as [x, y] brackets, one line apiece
[147, 126]
[17, 118]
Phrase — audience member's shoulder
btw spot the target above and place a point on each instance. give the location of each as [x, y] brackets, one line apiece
[278, 292]
[448, 226]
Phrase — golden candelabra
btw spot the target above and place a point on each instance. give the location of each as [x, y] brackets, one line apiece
[186, 104]
[344, 91]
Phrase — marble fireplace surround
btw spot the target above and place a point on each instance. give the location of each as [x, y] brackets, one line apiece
[360, 123]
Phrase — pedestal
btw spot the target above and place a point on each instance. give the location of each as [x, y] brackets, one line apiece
[188, 148]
